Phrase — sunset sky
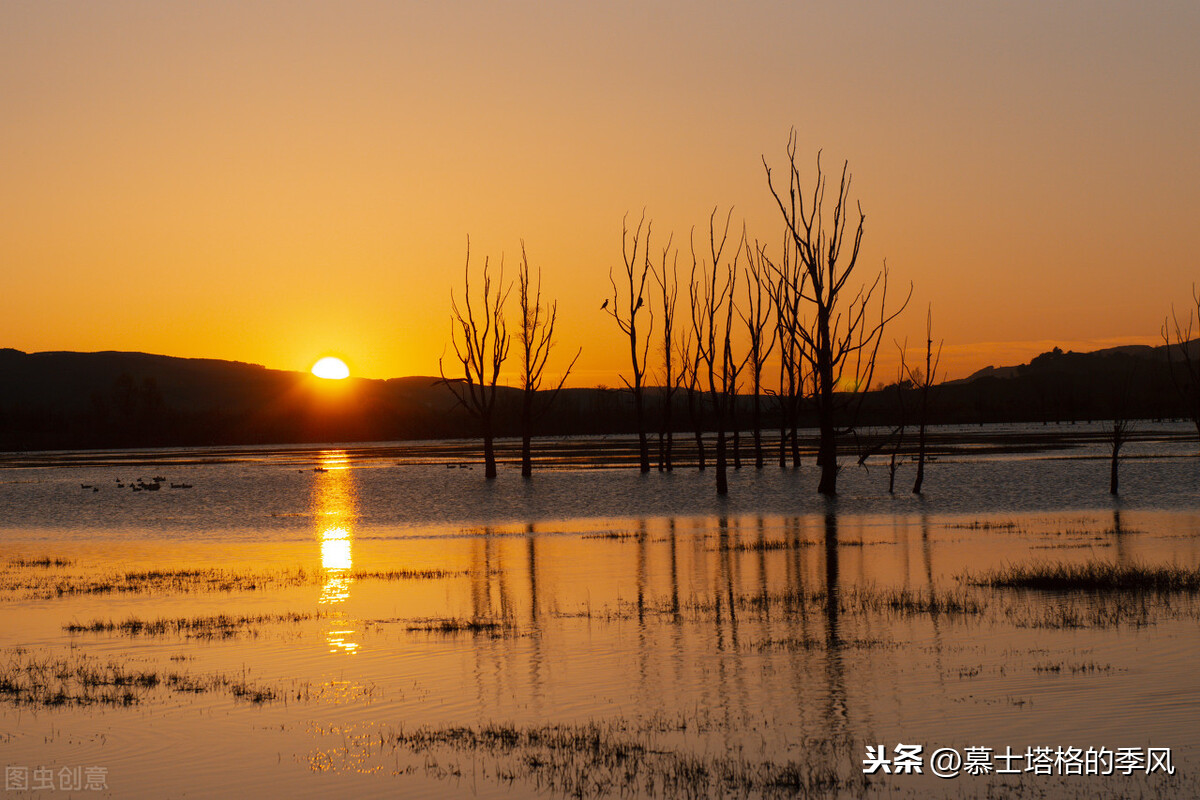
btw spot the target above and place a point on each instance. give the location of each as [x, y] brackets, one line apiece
[273, 181]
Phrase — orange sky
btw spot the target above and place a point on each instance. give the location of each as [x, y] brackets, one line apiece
[271, 181]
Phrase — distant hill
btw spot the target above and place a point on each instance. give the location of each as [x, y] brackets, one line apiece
[1132, 381]
[1137, 351]
[114, 399]
[66, 400]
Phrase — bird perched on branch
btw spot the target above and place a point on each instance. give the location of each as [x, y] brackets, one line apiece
[604, 305]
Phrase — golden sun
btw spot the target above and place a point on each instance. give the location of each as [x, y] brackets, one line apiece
[331, 368]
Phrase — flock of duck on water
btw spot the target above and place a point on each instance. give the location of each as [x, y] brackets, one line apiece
[140, 485]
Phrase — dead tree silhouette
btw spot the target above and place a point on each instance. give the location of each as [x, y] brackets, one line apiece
[758, 313]
[1182, 351]
[712, 295]
[635, 285]
[668, 285]
[689, 376]
[537, 340]
[481, 343]
[787, 289]
[924, 384]
[843, 343]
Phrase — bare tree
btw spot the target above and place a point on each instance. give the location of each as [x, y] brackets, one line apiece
[758, 314]
[844, 340]
[923, 383]
[537, 339]
[898, 433]
[481, 344]
[636, 271]
[689, 364]
[1182, 351]
[668, 284]
[896, 437]
[712, 293]
[1121, 401]
[787, 289]
[1120, 435]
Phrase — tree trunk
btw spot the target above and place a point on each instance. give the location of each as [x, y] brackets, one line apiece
[756, 422]
[696, 427]
[827, 454]
[722, 478]
[643, 445]
[665, 438]
[783, 438]
[527, 435]
[827, 449]
[489, 452]
[795, 443]
[920, 458]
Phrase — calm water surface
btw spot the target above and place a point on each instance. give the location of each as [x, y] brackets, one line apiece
[752, 628]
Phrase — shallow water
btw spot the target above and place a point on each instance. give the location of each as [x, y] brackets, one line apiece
[760, 628]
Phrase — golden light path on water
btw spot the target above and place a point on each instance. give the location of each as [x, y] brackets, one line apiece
[334, 511]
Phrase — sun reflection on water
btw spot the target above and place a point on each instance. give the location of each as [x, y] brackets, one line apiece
[334, 512]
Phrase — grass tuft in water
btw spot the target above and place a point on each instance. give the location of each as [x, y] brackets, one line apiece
[1092, 576]
[52, 681]
[451, 625]
[44, 561]
[602, 759]
[219, 626]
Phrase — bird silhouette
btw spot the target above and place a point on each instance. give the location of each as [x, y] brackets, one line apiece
[604, 305]
[639, 305]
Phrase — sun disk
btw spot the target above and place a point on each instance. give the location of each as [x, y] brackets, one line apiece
[330, 368]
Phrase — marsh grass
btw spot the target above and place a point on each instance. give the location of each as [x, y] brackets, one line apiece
[51, 682]
[1092, 576]
[913, 601]
[1057, 667]
[771, 545]
[164, 581]
[44, 562]
[219, 626]
[81, 680]
[1098, 611]
[601, 759]
[986, 525]
[409, 574]
[453, 625]
[157, 582]
[239, 688]
[766, 546]
[1103, 533]
[1097, 542]
[852, 600]
[806, 643]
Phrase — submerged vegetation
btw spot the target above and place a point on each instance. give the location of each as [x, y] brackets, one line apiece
[1092, 576]
[44, 561]
[158, 581]
[80, 679]
[601, 759]
[219, 626]
[450, 625]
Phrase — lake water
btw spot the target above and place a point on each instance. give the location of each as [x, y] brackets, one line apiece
[380, 621]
